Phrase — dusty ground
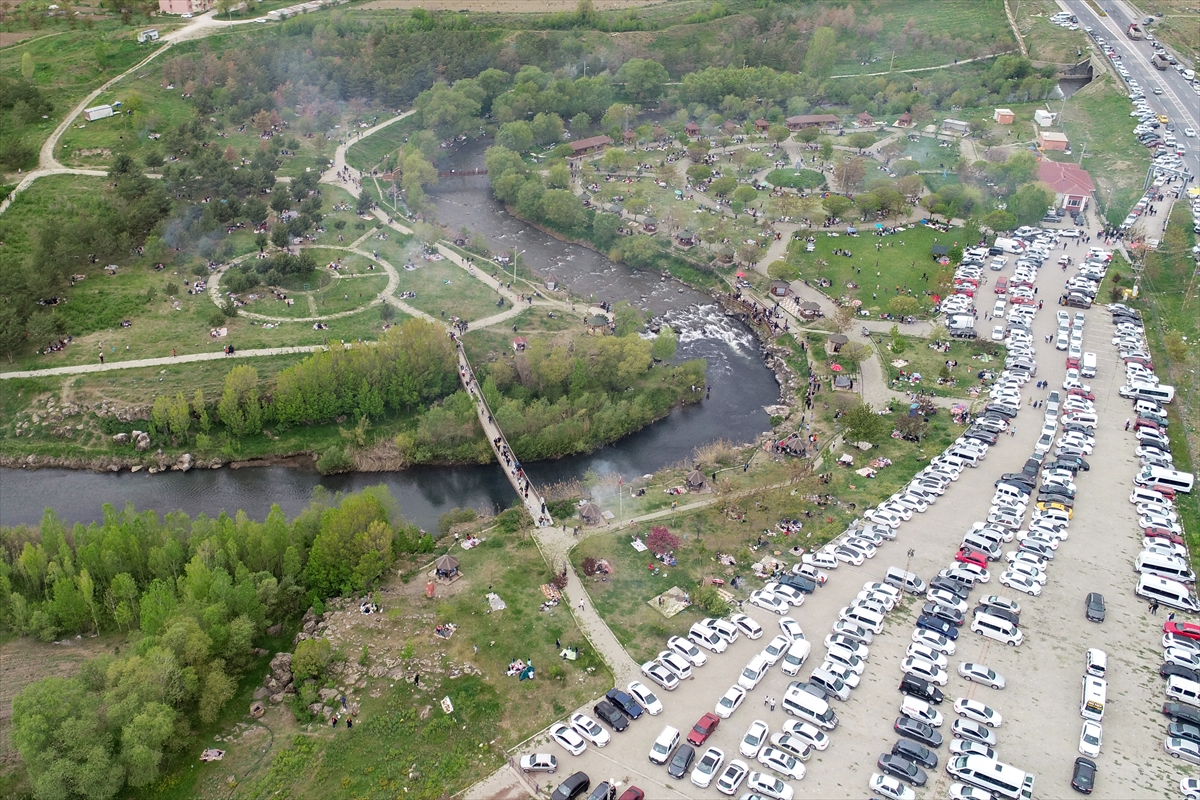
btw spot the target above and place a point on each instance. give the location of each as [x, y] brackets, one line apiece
[502, 6]
[23, 661]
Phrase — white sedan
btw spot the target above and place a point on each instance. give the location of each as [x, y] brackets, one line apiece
[776, 648]
[782, 762]
[981, 674]
[730, 701]
[961, 791]
[1021, 583]
[791, 629]
[1091, 738]
[808, 733]
[933, 640]
[708, 767]
[975, 710]
[768, 602]
[923, 669]
[589, 729]
[568, 739]
[646, 698]
[660, 675]
[748, 627]
[892, 788]
[687, 649]
[1189, 132]
[733, 775]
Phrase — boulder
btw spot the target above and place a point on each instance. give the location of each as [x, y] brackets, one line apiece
[275, 629]
[261, 692]
[257, 710]
[184, 463]
[121, 438]
[143, 442]
[327, 694]
[276, 698]
[281, 667]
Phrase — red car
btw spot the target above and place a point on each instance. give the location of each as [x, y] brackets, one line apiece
[1072, 363]
[1001, 285]
[1022, 301]
[703, 729]
[968, 556]
[633, 793]
[1142, 422]
[1081, 393]
[1163, 534]
[1188, 630]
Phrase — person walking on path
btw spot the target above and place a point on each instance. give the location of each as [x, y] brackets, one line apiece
[581, 605]
[1126, 423]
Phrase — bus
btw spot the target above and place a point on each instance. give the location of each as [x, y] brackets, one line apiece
[992, 776]
[1091, 702]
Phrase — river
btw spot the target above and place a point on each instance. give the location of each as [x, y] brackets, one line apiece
[741, 386]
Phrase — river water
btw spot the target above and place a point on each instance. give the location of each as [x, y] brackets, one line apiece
[741, 385]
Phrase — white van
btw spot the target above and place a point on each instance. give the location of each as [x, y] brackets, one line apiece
[1087, 367]
[1160, 476]
[754, 672]
[1166, 591]
[1183, 690]
[1175, 569]
[799, 703]
[707, 638]
[982, 544]
[795, 656]
[1143, 495]
[1088, 419]
[1095, 662]
[1091, 702]
[1146, 391]
[997, 628]
[902, 579]
[661, 750]
[864, 617]
[1146, 406]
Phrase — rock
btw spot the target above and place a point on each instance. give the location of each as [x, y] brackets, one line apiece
[121, 438]
[257, 710]
[276, 698]
[273, 685]
[316, 708]
[351, 676]
[327, 694]
[261, 692]
[136, 468]
[114, 467]
[281, 667]
[259, 652]
[275, 629]
[143, 442]
[184, 463]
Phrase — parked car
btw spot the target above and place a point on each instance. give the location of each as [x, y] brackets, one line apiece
[539, 762]
[903, 769]
[732, 776]
[1083, 777]
[979, 673]
[730, 701]
[624, 703]
[918, 731]
[610, 715]
[567, 739]
[703, 728]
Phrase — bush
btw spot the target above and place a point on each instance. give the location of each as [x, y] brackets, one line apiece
[311, 658]
[661, 540]
[710, 600]
[455, 516]
[335, 460]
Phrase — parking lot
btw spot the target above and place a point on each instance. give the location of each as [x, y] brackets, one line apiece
[1040, 705]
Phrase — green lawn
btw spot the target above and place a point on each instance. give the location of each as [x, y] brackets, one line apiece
[366, 154]
[971, 355]
[924, 33]
[444, 290]
[1098, 116]
[904, 260]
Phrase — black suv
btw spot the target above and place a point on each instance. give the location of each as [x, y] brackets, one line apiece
[921, 689]
[626, 704]
[607, 713]
[916, 753]
[1178, 712]
[572, 787]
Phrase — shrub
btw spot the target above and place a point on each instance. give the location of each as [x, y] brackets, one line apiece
[661, 540]
[311, 658]
[710, 600]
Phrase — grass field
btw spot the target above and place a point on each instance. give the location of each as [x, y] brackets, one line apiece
[1098, 116]
[623, 600]
[971, 355]
[904, 260]
[925, 33]
[366, 154]
[445, 290]
[1045, 40]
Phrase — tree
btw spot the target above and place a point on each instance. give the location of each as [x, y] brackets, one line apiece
[999, 221]
[604, 229]
[860, 140]
[850, 173]
[57, 728]
[664, 345]
[27, 65]
[778, 133]
[822, 53]
[1030, 203]
[836, 205]
[745, 194]
[698, 173]
[808, 135]
[904, 306]
[782, 271]
[723, 186]
[644, 80]
[863, 424]
[547, 128]
[825, 151]
[240, 409]
[516, 136]
[311, 658]
[559, 177]
[660, 540]
[912, 427]
[629, 320]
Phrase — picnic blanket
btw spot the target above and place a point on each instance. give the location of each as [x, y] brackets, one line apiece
[495, 602]
[212, 755]
[550, 592]
[639, 545]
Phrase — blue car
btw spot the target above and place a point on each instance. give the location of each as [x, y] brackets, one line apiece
[627, 705]
[937, 625]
